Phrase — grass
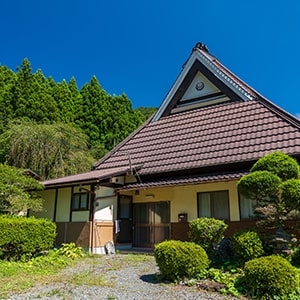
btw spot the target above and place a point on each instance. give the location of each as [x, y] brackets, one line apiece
[16, 277]
[19, 277]
[89, 278]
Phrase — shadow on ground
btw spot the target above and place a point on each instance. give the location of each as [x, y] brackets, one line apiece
[150, 278]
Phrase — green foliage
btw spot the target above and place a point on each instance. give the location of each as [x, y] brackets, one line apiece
[270, 277]
[15, 185]
[71, 251]
[147, 112]
[247, 245]
[207, 231]
[227, 278]
[177, 259]
[274, 183]
[25, 237]
[260, 185]
[223, 256]
[17, 276]
[295, 259]
[290, 193]
[50, 150]
[278, 163]
[104, 119]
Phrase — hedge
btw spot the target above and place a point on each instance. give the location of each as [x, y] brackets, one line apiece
[25, 237]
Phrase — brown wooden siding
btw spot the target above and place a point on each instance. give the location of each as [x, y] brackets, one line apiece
[77, 232]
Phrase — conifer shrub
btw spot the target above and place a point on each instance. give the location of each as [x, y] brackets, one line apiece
[207, 231]
[22, 237]
[247, 245]
[177, 259]
[295, 260]
[270, 277]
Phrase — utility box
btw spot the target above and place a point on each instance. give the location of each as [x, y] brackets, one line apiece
[182, 217]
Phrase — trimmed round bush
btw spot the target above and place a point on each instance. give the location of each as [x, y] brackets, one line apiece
[177, 259]
[278, 163]
[247, 245]
[270, 276]
[207, 231]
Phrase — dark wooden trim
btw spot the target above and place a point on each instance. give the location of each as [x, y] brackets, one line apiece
[92, 202]
[55, 205]
[71, 212]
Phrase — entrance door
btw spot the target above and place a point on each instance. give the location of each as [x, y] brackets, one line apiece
[151, 223]
[125, 219]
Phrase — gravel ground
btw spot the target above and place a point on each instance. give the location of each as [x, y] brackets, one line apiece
[120, 277]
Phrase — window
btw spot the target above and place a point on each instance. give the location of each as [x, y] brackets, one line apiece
[247, 207]
[80, 201]
[213, 205]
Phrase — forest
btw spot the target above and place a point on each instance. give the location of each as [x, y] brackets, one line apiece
[57, 129]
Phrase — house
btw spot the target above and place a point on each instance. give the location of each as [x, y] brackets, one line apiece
[183, 163]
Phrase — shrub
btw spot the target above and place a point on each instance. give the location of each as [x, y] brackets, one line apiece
[25, 237]
[224, 256]
[207, 231]
[177, 259]
[270, 277]
[278, 163]
[70, 250]
[296, 258]
[247, 245]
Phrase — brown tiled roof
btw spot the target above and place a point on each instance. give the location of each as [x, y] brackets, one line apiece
[194, 141]
[89, 177]
[185, 180]
[221, 134]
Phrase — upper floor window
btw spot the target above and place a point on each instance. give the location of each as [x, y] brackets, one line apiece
[80, 201]
[213, 205]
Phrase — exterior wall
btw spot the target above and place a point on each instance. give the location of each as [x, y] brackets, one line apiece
[63, 204]
[77, 216]
[73, 226]
[77, 232]
[49, 204]
[183, 199]
[103, 233]
[106, 204]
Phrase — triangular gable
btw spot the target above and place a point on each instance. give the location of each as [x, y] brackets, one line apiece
[203, 81]
[200, 87]
[229, 136]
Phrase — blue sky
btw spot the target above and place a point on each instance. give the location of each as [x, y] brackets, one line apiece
[139, 47]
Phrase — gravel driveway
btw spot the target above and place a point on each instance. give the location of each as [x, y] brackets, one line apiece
[121, 276]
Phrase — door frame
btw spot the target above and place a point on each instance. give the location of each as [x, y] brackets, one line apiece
[125, 220]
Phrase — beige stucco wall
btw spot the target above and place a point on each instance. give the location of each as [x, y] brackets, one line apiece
[48, 205]
[183, 199]
[63, 204]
